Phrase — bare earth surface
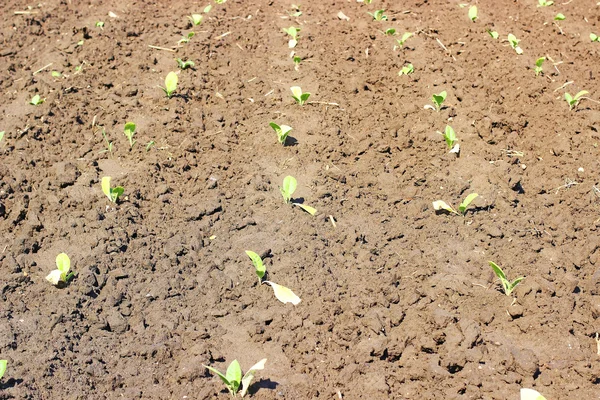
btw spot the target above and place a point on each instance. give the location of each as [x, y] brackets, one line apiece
[398, 301]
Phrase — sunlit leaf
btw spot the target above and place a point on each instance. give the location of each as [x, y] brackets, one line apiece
[284, 294]
[247, 379]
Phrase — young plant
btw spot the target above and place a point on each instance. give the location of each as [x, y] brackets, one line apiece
[287, 190]
[61, 274]
[462, 208]
[281, 131]
[300, 97]
[293, 32]
[538, 65]
[493, 34]
[390, 31]
[514, 43]
[544, 3]
[195, 19]
[297, 60]
[184, 64]
[559, 17]
[55, 74]
[187, 38]
[404, 38]
[530, 394]
[295, 11]
[100, 25]
[36, 100]
[260, 268]
[3, 364]
[378, 15]
[109, 144]
[507, 285]
[574, 100]
[233, 379]
[594, 37]
[407, 69]
[438, 100]
[113, 194]
[284, 294]
[473, 13]
[170, 84]
[129, 131]
[451, 140]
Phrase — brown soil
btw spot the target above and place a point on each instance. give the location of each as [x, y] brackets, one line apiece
[398, 301]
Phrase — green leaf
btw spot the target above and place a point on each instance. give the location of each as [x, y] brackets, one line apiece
[463, 206]
[304, 98]
[56, 74]
[196, 19]
[234, 375]
[106, 186]
[594, 37]
[582, 93]
[100, 24]
[220, 375]
[438, 99]
[540, 61]
[207, 9]
[407, 69]
[3, 364]
[559, 17]
[569, 98]
[35, 100]
[247, 379]
[404, 37]
[171, 83]
[473, 13]
[63, 263]
[1, 135]
[497, 270]
[450, 136]
[258, 264]
[129, 128]
[288, 188]
[116, 192]
[308, 209]
[493, 34]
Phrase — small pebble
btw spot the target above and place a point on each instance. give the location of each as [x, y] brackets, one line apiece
[580, 169]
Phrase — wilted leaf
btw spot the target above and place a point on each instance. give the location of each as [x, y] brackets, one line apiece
[284, 294]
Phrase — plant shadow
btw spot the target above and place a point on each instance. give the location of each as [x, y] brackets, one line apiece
[290, 141]
[263, 384]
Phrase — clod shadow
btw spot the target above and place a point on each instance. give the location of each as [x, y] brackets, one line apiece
[263, 384]
[297, 200]
[290, 141]
[12, 382]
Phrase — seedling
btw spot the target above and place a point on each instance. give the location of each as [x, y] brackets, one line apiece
[295, 11]
[594, 37]
[287, 190]
[170, 84]
[473, 13]
[233, 379]
[438, 100]
[3, 364]
[574, 100]
[390, 31]
[451, 140]
[185, 64]
[220, 1]
[300, 97]
[514, 43]
[462, 208]
[293, 32]
[530, 394]
[404, 38]
[186, 39]
[378, 15]
[207, 9]
[407, 69]
[149, 145]
[195, 19]
[113, 194]
[507, 285]
[100, 25]
[61, 274]
[258, 265]
[559, 17]
[109, 144]
[493, 34]
[1, 136]
[297, 60]
[55, 74]
[129, 132]
[544, 3]
[36, 100]
[284, 294]
[281, 131]
[538, 65]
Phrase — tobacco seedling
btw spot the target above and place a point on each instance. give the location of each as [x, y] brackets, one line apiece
[473, 13]
[36, 100]
[287, 190]
[295, 11]
[390, 31]
[195, 19]
[260, 268]
[186, 39]
[281, 131]
[297, 95]
[544, 3]
[109, 144]
[129, 131]
[438, 99]
[55, 74]
[149, 145]
[100, 25]
[493, 34]
[113, 194]
[3, 364]
[559, 17]
[451, 140]
[407, 69]
[462, 208]
[507, 285]
[514, 43]
[184, 64]
[404, 38]
[530, 394]
[538, 65]
[378, 15]
[293, 32]
[61, 274]
[233, 379]
[207, 9]
[170, 84]
[574, 100]
[297, 60]
[284, 294]
[594, 37]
